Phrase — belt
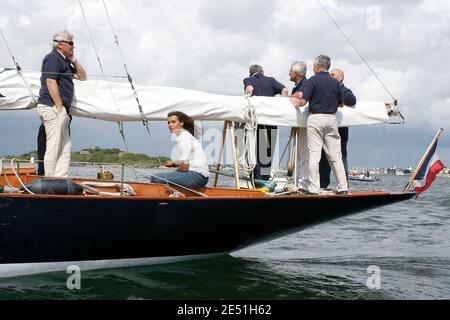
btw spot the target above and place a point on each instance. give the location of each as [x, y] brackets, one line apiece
[318, 112]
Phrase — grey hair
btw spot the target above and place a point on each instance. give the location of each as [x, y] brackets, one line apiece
[254, 68]
[61, 36]
[324, 62]
[299, 67]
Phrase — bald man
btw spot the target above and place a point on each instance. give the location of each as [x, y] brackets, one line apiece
[349, 100]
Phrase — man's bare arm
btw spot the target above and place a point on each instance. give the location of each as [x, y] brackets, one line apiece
[80, 73]
[298, 95]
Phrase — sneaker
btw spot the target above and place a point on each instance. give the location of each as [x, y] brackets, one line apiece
[342, 192]
[311, 193]
[326, 191]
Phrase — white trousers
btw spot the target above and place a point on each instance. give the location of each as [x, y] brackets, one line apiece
[303, 159]
[322, 131]
[58, 148]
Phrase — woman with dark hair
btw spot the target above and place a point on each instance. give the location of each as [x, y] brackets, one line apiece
[188, 156]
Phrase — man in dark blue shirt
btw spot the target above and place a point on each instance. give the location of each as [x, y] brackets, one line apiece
[257, 84]
[349, 100]
[324, 96]
[297, 74]
[59, 68]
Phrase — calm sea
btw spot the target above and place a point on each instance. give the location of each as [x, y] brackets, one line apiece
[408, 243]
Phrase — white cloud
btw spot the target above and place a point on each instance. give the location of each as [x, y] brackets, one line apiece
[24, 21]
[441, 7]
[3, 22]
[208, 45]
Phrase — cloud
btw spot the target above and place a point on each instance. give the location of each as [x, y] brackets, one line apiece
[208, 46]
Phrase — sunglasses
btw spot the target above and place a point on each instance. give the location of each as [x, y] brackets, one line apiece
[68, 42]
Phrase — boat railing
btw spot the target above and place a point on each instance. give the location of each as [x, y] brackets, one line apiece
[17, 173]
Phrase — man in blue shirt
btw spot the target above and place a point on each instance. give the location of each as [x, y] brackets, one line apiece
[257, 84]
[349, 100]
[324, 96]
[59, 68]
[297, 74]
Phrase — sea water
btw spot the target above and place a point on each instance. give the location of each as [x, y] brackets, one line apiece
[401, 251]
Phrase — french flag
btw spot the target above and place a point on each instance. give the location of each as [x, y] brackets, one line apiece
[428, 171]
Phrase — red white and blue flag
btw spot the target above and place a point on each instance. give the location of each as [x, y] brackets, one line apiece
[428, 171]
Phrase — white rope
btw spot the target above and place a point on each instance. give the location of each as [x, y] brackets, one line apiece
[250, 132]
[127, 189]
[18, 178]
[12, 189]
[6, 178]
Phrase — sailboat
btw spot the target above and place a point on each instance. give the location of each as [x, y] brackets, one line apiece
[97, 224]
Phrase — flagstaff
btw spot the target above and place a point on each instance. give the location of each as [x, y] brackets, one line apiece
[422, 161]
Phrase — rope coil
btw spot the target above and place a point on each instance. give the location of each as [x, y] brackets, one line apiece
[250, 132]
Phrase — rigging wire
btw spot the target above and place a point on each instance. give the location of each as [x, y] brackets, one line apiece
[281, 159]
[19, 69]
[119, 123]
[66, 73]
[130, 80]
[356, 50]
[116, 40]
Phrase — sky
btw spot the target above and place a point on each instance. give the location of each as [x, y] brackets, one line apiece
[209, 45]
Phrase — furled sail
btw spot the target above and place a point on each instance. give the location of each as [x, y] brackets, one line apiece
[93, 100]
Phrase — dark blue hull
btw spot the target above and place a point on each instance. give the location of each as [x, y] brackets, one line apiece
[54, 228]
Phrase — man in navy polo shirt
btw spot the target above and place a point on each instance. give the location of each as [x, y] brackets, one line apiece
[324, 96]
[349, 100]
[59, 68]
[257, 84]
[297, 74]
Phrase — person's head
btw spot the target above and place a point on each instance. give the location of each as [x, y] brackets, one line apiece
[254, 69]
[63, 42]
[338, 74]
[297, 71]
[322, 63]
[177, 120]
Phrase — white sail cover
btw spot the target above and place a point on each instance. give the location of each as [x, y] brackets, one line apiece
[93, 99]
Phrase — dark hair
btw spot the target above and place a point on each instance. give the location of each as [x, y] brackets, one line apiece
[188, 122]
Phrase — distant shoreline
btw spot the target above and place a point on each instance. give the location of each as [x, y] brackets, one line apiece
[103, 157]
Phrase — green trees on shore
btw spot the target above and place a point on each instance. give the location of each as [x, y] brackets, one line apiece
[100, 155]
